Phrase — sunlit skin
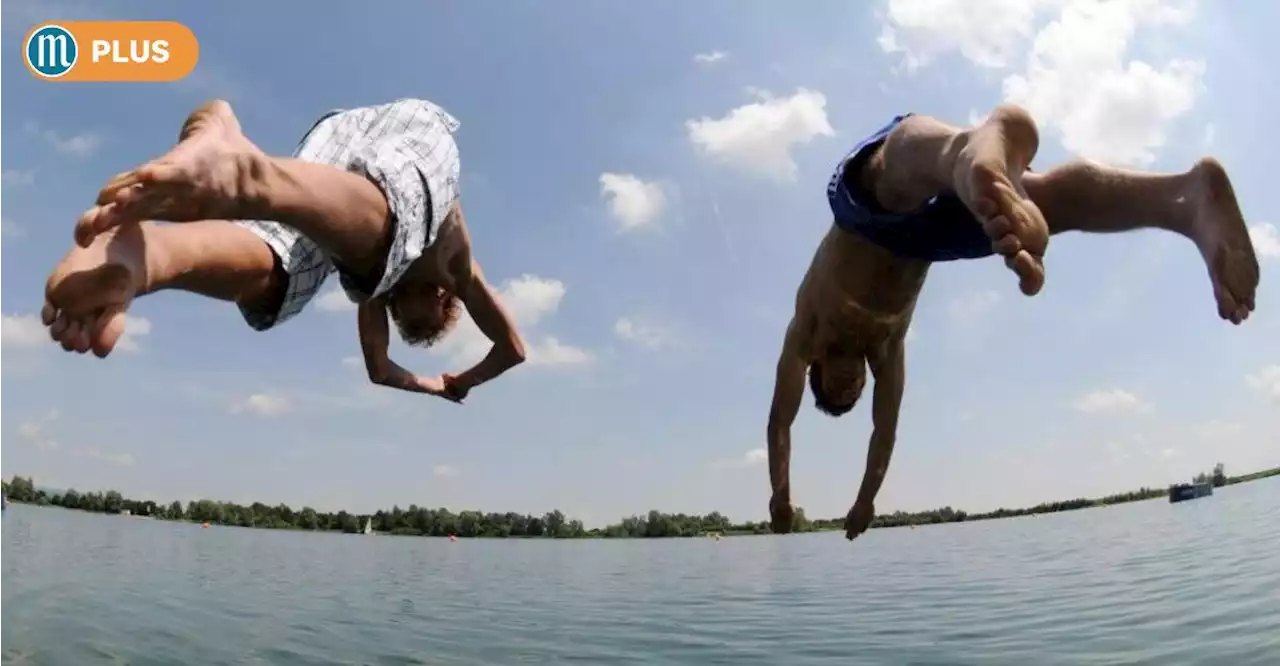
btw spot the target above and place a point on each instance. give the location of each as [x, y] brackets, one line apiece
[855, 304]
[215, 174]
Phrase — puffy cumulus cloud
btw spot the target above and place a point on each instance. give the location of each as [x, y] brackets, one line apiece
[758, 138]
[1266, 240]
[1266, 381]
[710, 58]
[634, 203]
[1075, 74]
[134, 328]
[17, 331]
[335, 300]
[529, 300]
[640, 333]
[445, 471]
[750, 458]
[1110, 401]
[83, 144]
[263, 404]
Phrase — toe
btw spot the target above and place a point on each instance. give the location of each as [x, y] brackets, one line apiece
[1030, 271]
[997, 226]
[1006, 246]
[95, 221]
[107, 331]
[58, 329]
[68, 336]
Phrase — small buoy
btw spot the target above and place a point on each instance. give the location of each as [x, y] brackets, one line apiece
[205, 525]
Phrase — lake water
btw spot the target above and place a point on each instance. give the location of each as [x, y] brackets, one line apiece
[1191, 583]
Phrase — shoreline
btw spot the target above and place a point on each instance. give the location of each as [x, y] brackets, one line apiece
[443, 523]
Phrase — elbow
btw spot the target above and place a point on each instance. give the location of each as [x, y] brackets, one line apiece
[379, 376]
[516, 353]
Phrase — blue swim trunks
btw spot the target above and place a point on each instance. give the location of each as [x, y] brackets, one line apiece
[942, 229]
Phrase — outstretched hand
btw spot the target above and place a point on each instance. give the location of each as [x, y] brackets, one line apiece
[859, 519]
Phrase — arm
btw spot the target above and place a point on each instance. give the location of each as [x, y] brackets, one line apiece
[496, 324]
[375, 336]
[788, 390]
[890, 379]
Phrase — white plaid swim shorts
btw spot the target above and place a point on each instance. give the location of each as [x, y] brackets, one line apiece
[406, 147]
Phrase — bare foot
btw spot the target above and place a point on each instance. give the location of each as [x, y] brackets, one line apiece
[208, 175]
[1219, 230]
[988, 178]
[90, 289]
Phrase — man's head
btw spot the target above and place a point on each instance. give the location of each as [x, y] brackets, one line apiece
[423, 313]
[836, 381]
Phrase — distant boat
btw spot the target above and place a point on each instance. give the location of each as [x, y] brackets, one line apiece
[368, 526]
[1181, 492]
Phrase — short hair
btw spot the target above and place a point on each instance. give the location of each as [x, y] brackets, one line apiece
[820, 399]
[416, 332]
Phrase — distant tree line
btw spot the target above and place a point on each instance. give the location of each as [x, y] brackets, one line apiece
[421, 521]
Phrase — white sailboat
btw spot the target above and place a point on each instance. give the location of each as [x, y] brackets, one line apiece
[368, 526]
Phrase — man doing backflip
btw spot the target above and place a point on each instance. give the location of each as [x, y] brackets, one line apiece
[372, 194]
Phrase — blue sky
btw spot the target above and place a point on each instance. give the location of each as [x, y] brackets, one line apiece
[647, 181]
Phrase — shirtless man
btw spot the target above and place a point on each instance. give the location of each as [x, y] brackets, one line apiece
[919, 191]
[372, 194]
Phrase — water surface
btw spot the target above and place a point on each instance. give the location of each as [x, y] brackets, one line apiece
[1192, 583]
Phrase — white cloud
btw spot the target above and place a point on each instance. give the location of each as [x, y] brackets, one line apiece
[633, 202]
[710, 58]
[1266, 240]
[23, 331]
[77, 145]
[353, 361]
[114, 458]
[550, 351]
[1209, 137]
[444, 471]
[1266, 381]
[530, 300]
[640, 333]
[1077, 80]
[1110, 401]
[10, 229]
[974, 304]
[134, 328]
[18, 177]
[36, 431]
[757, 138]
[263, 404]
[751, 458]
[335, 300]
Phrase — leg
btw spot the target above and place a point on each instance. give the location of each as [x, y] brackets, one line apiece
[215, 172]
[924, 157]
[90, 289]
[1199, 204]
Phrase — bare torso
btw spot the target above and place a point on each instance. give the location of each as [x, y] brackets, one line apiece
[857, 294]
[446, 262]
